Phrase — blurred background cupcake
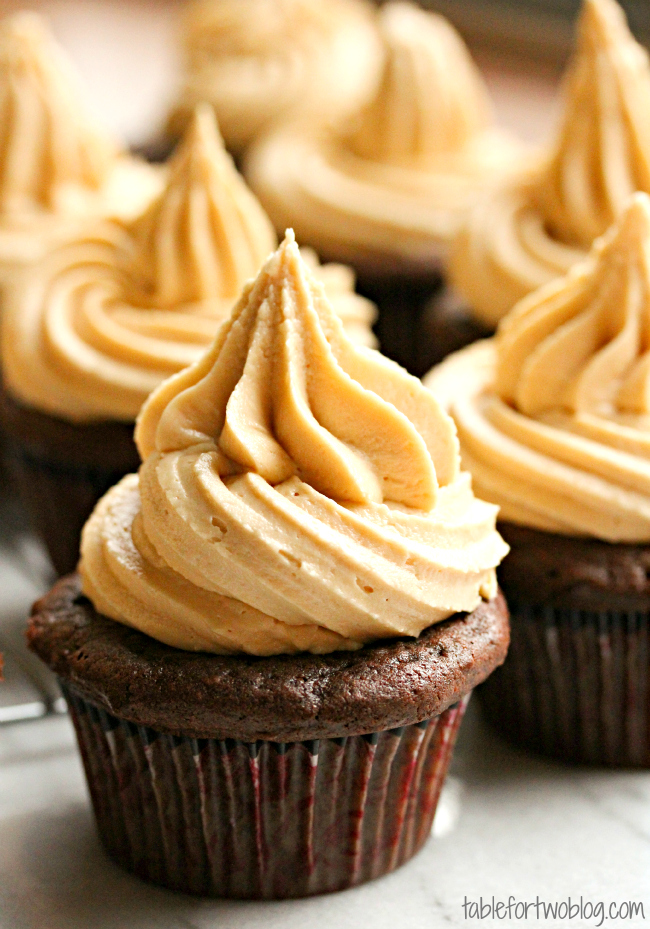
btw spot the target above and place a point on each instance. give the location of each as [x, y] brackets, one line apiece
[387, 191]
[92, 328]
[300, 514]
[553, 418]
[260, 62]
[57, 168]
[534, 228]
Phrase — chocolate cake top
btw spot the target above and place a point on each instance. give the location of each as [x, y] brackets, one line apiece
[281, 698]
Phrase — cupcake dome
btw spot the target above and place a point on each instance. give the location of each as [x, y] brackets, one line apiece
[531, 231]
[56, 167]
[388, 191]
[261, 61]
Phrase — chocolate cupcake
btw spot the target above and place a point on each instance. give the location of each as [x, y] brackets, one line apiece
[387, 191]
[534, 227]
[554, 425]
[299, 514]
[91, 330]
[260, 62]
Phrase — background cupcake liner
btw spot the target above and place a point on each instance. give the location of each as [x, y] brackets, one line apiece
[575, 684]
[58, 500]
[263, 819]
[61, 469]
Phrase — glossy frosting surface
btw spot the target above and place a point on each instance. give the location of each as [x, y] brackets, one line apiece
[533, 230]
[553, 414]
[296, 493]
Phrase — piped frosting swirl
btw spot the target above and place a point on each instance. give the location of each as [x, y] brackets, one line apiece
[532, 231]
[93, 328]
[56, 167]
[45, 143]
[392, 186]
[296, 493]
[553, 415]
[263, 61]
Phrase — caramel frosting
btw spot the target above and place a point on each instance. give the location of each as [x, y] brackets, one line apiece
[96, 325]
[533, 230]
[296, 494]
[263, 61]
[553, 414]
[389, 190]
[55, 165]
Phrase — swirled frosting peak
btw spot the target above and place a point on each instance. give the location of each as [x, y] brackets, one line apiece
[46, 141]
[582, 345]
[602, 154]
[286, 393]
[264, 61]
[296, 493]
[553, 415]
[534, 229]
[388, 190]
[408, 122]
[206, 234]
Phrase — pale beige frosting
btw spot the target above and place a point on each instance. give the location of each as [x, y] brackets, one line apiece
[389, 190]
[531, 231]
[553, 415]
[90, 330]
[296, 492]
[262, 61]
[56, 167]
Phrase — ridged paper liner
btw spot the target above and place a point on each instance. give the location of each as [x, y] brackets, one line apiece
[264, 819]
[575, 685]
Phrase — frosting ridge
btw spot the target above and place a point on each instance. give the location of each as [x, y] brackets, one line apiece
[94, 327]
[45, 141]
[296, 493]
[393, 184]
[263, 61]
[534, 229]
[553, 414]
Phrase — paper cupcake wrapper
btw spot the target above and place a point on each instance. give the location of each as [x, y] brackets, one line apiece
[262, 820]
[58, 500]
[575, 685]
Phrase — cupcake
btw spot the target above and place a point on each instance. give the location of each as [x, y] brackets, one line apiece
[259, 62]
[533, 230]
[97, 324]
[56, 168]
[278, 621]
[553, 417]
[387, 192]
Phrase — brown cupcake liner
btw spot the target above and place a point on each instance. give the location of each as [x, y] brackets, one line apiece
[262, 820]
[60, 470]
[575, 685]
